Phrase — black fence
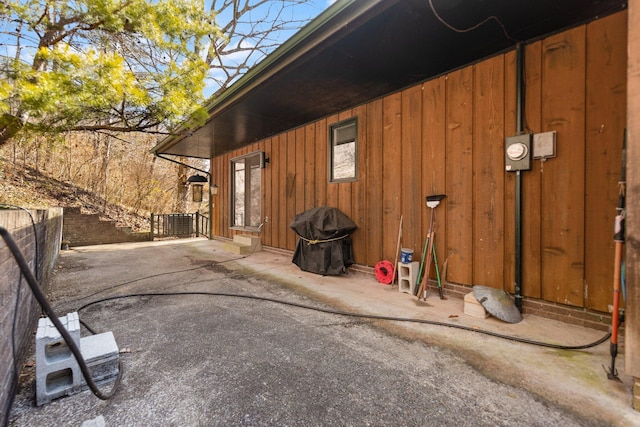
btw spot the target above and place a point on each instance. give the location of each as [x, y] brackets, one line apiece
[179, 225]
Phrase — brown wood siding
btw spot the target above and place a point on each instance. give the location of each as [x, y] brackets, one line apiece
[410, 169]
[459, 175]
[563, 98]
[391, 175]
[290, 189]
[310, 167]
[274, 220]
[447, 136]
[433, 161]
[488, 176]
[374, 159]
[509, 179]
[532, 200]
[359, 189]
[606, 110]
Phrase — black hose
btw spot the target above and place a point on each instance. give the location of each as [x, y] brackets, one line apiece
[351, 314]
[46, 307]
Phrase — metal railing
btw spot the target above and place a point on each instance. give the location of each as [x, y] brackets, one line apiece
[179, 225]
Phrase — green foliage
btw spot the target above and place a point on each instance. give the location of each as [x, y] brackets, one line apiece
[117, 65]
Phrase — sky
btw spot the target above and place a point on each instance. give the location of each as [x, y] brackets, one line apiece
[308, 10]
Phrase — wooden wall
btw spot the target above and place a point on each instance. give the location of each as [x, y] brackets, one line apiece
[632, 312]
[447, 136]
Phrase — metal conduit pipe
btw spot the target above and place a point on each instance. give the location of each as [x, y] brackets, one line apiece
[520, 103]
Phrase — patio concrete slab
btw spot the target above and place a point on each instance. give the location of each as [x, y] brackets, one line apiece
[571, 379]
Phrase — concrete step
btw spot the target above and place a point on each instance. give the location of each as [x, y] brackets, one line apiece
[243, 244]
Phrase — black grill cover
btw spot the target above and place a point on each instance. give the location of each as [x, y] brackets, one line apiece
[331, 255]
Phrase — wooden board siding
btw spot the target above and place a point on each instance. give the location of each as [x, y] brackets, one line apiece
[274, 219]
[373, 160]
[488, 176]
[531, 185]
[321, 162]
[410, 167]
[391, 174]
[459, 175]
[309, 166]
[290, 189]
[447, 136]
[606, 110]
[563, 100]
[632, 251]
[359, 188]
[433, 168]
[267, 208]
[283, 228]
[510, 95]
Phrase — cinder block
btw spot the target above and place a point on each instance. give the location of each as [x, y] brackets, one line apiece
[408, 276]
[57, 371]
[101, 353]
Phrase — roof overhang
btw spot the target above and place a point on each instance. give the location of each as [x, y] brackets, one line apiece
[359, 50]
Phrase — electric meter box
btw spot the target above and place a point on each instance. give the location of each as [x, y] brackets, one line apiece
[517, 153]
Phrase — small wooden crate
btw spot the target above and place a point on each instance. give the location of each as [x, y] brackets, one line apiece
[473, 308]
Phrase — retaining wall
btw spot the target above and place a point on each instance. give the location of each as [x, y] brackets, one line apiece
[40, 248]
[88, 229]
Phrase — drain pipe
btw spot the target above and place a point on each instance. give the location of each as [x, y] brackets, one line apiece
[180, 163]
[518, 191]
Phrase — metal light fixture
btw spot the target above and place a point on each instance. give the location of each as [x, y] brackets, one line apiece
[197, 182]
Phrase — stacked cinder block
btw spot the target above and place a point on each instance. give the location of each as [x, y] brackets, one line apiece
[408, 276]
[57, 370]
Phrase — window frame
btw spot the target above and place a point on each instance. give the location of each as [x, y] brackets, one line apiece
[258, 162]
[332, 132]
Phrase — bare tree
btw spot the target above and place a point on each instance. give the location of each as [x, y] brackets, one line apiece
[253, 29]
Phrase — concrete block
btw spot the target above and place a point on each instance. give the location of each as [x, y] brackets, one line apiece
[102, 355]
[57, 371]
[408, 276]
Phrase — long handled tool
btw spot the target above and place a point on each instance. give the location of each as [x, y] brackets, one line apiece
[424, 259]
[432, 202]
[395, 264]
[618, 238]
[435, 261]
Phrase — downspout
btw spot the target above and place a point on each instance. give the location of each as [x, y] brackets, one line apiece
[182, 164]
[520, 102]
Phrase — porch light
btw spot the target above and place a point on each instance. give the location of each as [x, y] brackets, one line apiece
[197, 182]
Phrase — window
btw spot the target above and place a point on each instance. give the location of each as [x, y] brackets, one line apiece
[246, 191]
[343, 151]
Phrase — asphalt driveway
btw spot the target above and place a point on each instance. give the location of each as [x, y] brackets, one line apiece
[205, 360]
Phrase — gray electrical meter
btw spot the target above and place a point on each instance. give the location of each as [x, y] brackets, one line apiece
[517, 153]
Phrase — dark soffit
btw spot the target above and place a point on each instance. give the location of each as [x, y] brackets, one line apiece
[359, 50]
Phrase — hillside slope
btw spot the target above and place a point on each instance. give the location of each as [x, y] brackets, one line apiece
[28, 188]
